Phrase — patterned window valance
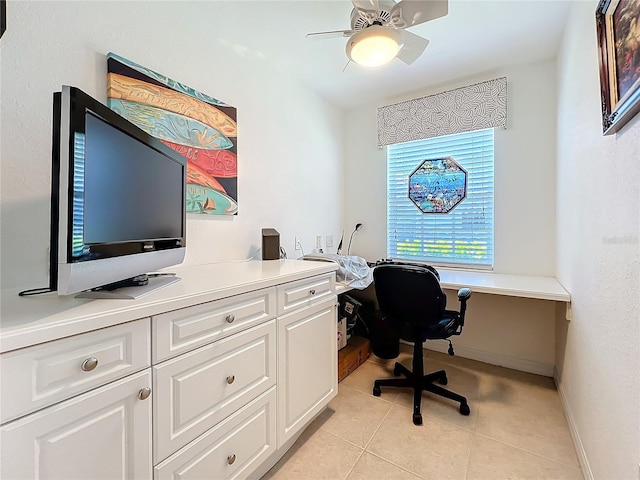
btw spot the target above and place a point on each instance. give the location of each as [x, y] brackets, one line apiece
[479, 106]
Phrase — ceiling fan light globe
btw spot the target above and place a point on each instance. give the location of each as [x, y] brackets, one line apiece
[374, 46]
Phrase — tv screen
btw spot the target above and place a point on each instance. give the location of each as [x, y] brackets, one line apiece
[118, 195]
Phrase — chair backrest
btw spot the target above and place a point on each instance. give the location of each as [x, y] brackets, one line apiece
[409, 294]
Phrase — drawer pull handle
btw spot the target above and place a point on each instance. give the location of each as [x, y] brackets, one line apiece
[230, 318]
[89, 364]
[144, 393]
[231, 379]
[312, 291]
[231, 459]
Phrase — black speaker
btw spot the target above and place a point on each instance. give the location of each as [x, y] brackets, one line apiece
[270, 244]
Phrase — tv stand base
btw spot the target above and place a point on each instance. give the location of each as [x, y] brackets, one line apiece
[133, 292]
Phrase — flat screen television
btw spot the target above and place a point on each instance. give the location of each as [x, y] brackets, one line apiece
[117, 198]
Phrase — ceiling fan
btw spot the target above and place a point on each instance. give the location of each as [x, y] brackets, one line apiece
[378, 30]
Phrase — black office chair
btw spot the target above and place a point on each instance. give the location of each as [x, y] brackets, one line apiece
[412, 305]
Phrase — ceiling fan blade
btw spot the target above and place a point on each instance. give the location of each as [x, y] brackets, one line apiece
[366, 5]
[412, 47]
[331, 34]
[407, 13]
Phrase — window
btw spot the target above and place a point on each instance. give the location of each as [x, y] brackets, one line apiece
[464, 235]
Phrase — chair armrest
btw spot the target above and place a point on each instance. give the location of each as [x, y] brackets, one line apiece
[464, 294]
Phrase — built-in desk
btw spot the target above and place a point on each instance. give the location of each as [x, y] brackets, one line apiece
[512, 326]
[527, 286]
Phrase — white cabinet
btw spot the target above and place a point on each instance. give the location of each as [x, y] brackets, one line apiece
[194, 382]
[41, 375]
[307, 365]
[232, 449]
[203, 386]
[102, 434]
[198, 389]
[302, 293]
[183, 330]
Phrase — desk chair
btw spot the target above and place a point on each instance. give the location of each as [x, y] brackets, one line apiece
[412, 304]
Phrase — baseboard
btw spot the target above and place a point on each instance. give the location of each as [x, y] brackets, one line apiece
[494, 358]
[575, 436]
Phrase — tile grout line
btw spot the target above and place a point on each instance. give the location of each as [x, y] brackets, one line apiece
[529, 452]
[405, 469]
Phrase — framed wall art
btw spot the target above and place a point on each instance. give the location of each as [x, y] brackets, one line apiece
[199, 127]
[3, 16]
[618, 30]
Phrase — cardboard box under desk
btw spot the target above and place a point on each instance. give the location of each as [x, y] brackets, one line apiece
[352, 356]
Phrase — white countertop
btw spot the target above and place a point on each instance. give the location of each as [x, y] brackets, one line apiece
[30, 320]
[524, 286]
[528, 286]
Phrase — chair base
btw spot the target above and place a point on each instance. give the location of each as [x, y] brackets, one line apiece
[420, 383]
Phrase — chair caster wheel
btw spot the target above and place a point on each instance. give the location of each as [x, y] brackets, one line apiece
[464, 409]
[417, 419]
[443, 380]
[376, 391]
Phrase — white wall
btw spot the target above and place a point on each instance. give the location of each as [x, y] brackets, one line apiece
[598, 230]
[290, 143]
[516, 333]
[524, 173]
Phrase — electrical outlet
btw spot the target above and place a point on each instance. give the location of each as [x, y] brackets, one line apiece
[298, 244]
[318, 241]
[329, 240]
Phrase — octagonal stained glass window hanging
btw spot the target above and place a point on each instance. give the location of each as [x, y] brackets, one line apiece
[438, 185]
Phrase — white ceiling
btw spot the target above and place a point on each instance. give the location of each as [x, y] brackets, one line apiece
[476, 36]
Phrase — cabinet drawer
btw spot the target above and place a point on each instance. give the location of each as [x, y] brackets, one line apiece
[183, 330]
[38, 376]
[304, 292]
[195, 391]
[235, 448]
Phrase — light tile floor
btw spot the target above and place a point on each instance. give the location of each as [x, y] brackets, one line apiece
[516, 429]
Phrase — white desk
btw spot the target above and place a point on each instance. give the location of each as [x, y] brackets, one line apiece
[536, 354]
[527, 286]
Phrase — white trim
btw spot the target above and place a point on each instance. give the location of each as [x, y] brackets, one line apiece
[521, 364]
[573, 429]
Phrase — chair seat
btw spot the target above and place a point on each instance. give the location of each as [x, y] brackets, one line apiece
[449, 325]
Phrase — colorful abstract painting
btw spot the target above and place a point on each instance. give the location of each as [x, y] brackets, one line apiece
[198, 126]
[438, 185]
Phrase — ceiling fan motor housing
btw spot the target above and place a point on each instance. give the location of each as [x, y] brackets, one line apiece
[361, 19]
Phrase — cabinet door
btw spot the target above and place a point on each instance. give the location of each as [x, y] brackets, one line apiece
[307, 366]
[102, 434]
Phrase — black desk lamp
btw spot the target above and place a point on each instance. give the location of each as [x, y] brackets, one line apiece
[358, 227]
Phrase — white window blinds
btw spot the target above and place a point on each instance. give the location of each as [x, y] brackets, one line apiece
[462, 237]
